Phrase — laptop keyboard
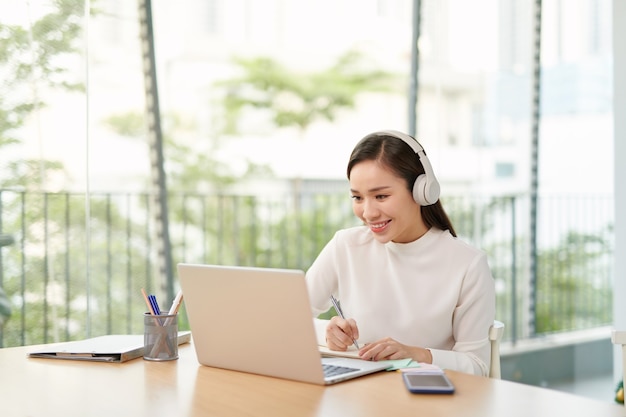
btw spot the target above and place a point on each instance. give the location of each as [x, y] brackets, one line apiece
[332, 370]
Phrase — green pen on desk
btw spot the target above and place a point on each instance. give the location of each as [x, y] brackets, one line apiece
[338, 309]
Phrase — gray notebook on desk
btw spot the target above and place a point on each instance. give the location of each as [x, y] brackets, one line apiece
[109, 348]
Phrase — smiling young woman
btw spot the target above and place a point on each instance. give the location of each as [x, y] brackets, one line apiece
[408, 287]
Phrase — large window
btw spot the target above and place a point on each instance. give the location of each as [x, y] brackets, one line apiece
[260, 104]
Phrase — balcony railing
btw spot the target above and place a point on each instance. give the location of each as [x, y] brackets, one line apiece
[75, 266]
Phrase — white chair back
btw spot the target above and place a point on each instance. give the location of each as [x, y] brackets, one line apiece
[495, 335]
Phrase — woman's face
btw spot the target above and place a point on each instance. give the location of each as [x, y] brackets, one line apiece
[383, 202]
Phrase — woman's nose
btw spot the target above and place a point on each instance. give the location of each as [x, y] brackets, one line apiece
[370, 210]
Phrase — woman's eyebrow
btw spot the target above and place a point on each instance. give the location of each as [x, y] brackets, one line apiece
[373, 190]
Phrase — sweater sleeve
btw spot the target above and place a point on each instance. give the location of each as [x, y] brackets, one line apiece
[321, 279]
[320, 330]
[472, 318]
[466, 362]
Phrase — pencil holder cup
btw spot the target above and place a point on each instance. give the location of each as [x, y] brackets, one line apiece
[160, 337]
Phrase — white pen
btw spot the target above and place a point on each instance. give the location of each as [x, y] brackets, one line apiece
[176, 303]
[338, 309]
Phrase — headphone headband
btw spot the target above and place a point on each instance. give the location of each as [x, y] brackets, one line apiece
[409, 140]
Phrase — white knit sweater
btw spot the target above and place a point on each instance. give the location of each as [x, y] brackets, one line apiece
[436, 292]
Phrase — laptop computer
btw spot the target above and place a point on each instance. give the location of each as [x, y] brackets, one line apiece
[259, 320]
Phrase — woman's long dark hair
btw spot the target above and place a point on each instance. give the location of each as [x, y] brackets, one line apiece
[396, 155]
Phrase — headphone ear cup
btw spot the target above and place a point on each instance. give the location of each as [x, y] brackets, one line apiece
[419, 189]
[428, 186]
[431, 191]
[425, 192]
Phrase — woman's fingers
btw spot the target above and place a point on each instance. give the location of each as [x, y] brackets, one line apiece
[341, 333]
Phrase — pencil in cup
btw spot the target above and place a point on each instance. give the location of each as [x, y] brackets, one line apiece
[161, 337]
[150, 303]
[165, 325]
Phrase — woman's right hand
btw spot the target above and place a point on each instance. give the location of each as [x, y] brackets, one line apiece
[341, 333]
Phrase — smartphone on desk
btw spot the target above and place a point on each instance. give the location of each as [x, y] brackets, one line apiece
[427, 382]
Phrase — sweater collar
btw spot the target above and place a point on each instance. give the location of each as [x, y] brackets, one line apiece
[424, 241]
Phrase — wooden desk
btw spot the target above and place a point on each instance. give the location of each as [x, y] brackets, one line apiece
[46, 387]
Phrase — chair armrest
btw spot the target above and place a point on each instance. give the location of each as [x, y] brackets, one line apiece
[618, 337]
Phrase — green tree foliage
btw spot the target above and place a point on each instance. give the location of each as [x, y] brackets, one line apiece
[298, 99]
[5, 307]
[190, 168]
[36, 54]
[570, 274]
[34, 61]
[67, 270]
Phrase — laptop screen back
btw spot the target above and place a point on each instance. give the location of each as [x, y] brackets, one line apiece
[255, 320]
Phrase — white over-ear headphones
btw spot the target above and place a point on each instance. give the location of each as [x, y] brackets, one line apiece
[426, 187]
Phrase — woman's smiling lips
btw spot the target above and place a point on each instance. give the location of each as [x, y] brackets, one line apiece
[379, 227]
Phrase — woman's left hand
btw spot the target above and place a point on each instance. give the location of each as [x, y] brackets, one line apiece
[390, 349]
